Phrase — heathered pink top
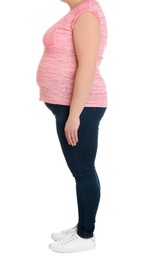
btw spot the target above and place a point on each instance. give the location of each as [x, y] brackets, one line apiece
[58, 65]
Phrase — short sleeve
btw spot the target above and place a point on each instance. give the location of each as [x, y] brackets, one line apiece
[77, 15]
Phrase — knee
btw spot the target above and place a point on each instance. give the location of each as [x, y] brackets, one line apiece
[85, 171]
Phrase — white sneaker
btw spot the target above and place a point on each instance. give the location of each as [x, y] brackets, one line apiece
[73, 243]
[60, 235]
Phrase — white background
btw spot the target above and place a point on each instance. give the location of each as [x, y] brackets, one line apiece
[37, 191]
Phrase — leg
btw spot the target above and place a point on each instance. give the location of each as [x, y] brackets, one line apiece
[81, 161]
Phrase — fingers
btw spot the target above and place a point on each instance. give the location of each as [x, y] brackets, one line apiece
[71, 130]
[72, 138]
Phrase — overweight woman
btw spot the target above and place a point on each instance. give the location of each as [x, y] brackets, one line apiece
[73, 89]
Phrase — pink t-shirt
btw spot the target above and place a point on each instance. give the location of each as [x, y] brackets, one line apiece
[58, 65]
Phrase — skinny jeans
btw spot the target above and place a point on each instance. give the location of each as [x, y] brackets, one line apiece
[81, 162]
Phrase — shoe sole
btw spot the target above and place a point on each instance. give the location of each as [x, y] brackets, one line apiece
[69, 250]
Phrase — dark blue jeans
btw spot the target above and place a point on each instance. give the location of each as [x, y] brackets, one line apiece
[81, 162]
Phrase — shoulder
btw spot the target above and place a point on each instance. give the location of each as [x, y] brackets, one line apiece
[89, 7]
[87, 26]
[87, 19]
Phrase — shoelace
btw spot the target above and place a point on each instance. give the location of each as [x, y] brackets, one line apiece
[73, 236]
[65, 232]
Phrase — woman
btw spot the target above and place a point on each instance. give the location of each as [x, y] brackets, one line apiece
[73, 89]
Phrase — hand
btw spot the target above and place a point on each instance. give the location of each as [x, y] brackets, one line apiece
[71, 130]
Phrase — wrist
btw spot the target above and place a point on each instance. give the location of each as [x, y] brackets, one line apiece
[74, 113]
[74, 116]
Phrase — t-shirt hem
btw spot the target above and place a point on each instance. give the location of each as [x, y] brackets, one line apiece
[103, 104]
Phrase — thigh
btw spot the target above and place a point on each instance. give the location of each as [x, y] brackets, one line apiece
[82, 156]
[88, 134]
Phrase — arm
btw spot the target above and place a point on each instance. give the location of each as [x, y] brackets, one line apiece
[86, 35]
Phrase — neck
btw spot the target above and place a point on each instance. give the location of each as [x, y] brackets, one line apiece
[74, 5]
